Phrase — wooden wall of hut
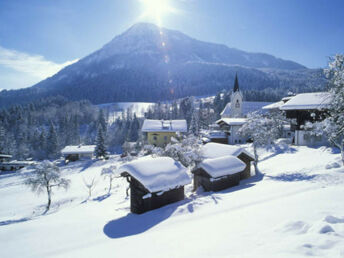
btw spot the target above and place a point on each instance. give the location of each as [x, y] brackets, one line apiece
[139, 205]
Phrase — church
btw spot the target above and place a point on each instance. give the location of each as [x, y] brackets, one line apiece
[232, 117]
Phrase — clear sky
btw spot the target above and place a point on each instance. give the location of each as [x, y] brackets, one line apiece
[39, 37]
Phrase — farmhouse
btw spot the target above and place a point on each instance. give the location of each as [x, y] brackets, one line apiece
[307, 107]
[76, 152]
[160, 132]
[154, 182]
[214, 150]
[219, 173]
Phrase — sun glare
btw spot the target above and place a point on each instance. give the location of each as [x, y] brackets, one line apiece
[155, 10]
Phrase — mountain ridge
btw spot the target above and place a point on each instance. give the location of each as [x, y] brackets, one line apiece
[148, 63]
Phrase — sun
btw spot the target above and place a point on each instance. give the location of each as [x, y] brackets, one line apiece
[156, 10]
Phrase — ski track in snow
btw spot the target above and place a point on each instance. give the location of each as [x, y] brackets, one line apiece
[294, 209]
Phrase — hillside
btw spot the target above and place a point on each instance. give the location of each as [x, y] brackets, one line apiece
[147, 63]
[294, 210]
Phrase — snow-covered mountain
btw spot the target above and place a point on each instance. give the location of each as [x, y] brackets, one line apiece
[148, 63]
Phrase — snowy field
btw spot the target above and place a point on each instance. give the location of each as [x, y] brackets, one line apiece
[294, 209]
[115, 109]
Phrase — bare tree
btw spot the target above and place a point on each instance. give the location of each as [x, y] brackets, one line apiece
[90, 186]
[45, 177]
[111, 174]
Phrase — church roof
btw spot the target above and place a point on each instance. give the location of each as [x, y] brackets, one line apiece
[236, 84]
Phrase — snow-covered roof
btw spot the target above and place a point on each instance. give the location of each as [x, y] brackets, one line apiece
[157, 174]
[213, 150]
[78, 149]
[232, 121]
[226, 111]
[275, 105]
[308, 101]
[5, 156]
[150, 125]
[223, 166]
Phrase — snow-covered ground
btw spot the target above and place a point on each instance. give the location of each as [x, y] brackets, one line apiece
[294, 209]
[115, 109]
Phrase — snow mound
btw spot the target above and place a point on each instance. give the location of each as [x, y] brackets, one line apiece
[333, 220]
[332, 165]
[157, 174]
[326, 229]
[297, 227]
[223, 166]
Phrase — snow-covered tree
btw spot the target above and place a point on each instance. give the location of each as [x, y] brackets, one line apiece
[45, 177]
[100, 143]
[111, 173]
[195, 122]
[187, 150]
[333, 125]
[261, 131]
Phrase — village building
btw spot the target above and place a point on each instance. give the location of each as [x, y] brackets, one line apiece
[154, 182]
[307, 107]
[160, 132]
[214, 150]
[6, 164]
[5, 157]
[232, 119]
[217, 174]
[76, 152]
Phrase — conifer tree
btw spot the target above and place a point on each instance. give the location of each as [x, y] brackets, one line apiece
[100, 143]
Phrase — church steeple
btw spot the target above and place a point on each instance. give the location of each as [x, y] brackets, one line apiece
[236, 83]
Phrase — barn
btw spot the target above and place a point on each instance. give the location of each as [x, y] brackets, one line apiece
[214, 150]
[219, 173]
[154, 182]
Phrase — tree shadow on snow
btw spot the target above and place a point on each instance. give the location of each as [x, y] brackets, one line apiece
[13, 221]
[293, 177]
[102, 197]
[134, 224]
[280, 149]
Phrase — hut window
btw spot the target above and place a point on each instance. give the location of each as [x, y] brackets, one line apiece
[155, 138]
[165, 138]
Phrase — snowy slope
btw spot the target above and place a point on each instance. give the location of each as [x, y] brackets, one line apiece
[295, 209]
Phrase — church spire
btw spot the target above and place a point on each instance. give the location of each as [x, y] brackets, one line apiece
[236, 83]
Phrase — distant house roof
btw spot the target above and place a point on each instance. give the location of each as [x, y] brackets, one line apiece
[232, 121]
[150, 125]
[157, 174]
[308, 101]
[222, 166]
[78, 149]
[213, 150]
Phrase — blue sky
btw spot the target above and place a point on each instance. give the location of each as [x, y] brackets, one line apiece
[39, 37]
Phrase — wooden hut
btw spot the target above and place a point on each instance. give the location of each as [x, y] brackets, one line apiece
[76, 152]
[219, 173]
[154, 182]
[214, 150]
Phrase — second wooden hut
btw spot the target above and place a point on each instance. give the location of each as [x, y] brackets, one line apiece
[154, 182]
